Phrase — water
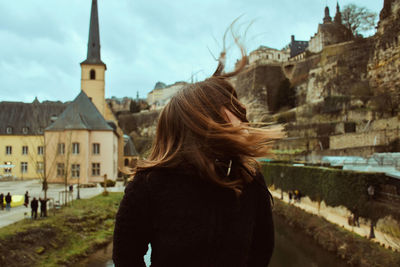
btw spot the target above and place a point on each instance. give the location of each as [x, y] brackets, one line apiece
[292, 248]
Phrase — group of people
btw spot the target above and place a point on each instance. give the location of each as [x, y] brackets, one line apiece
[295, 196]
[35, 205]
[7, 199]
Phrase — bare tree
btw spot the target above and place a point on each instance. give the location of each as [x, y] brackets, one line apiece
[358, 19]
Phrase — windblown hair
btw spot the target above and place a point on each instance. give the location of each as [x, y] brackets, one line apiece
[193, 131]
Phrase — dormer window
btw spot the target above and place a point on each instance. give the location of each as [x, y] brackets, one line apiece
[92, 74]
[25, 130]
[53, 118]
[9, 130]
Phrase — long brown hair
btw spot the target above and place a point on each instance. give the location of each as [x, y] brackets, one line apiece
[192, 132]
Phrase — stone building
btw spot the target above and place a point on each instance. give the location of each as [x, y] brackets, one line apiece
[266, 55]
[88, 119]
[21, 137]
[329, 32]
[81, 146]
[161, 94]
[296, 47]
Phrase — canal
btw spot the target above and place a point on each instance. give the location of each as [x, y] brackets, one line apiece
[292, 248]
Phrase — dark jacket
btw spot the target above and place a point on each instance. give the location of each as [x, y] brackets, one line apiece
[191, 222]
[42, 204]
[8, 198]
[34, 204]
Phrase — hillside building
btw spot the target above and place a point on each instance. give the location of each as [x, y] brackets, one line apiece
[329, 32]
[161, 94]
[266, 55]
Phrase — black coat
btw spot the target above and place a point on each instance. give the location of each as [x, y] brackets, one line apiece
[34, 204]
[8, 198]
[191, 222]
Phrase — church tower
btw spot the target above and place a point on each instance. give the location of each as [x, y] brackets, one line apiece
[93, 69]
[338, 16]
[327, 17]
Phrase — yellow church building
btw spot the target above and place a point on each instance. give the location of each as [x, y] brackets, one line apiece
[76, 142]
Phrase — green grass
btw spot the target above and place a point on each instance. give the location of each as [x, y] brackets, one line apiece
[71, 234]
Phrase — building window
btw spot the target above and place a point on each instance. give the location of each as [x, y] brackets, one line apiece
[40, 150]
[96, 148]
[279, 56]
[61, 149]
[75, 170]
[8, 150]
[92, 74]
[75, 148]
[95, 169]
[7, 169]
[24, 167]
[60, 169]
[126, 162]
[40, 167]
[9, 130]
[24, 150]
[25, 130]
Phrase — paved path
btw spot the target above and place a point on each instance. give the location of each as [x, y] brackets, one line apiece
[34, 188]
[340, 216]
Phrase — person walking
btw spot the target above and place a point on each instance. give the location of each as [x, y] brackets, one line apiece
[8, 201]
[43, 207]
[290, 196]
[199, 199]
[34, 208]
[26, 199]
[2, 201]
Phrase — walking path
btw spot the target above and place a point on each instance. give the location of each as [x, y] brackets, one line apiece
[340, 216]
[34, 188]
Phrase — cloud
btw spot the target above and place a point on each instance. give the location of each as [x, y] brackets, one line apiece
[42, 42]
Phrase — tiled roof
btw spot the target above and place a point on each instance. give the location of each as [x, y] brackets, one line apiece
[81, 114]
[28, 118]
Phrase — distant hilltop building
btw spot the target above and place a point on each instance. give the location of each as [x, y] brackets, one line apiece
[267, 55]
[76, 142]
[296, 47]
[329, 32]
[162, 93]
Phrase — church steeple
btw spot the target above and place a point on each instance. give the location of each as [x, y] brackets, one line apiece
[93, 52]
[327, 17]
[93, 69]
[338, 16]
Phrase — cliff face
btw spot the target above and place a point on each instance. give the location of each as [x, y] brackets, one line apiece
[384, 66]
[347, 96]
[258, 89]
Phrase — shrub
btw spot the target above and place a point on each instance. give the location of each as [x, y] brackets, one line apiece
[335, 187]
[109, 183]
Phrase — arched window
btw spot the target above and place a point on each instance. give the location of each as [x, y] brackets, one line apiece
[92, 74]
[126, 162]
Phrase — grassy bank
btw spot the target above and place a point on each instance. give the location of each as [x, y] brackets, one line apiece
[355, 250]
[63, 239]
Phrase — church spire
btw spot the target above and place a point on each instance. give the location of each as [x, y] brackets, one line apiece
[338, 16]
[327, 17]
[93, 53]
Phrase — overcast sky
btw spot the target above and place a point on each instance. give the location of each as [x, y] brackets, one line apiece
[42, 42]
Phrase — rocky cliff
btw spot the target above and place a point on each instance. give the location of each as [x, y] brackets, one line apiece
[347, 96]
